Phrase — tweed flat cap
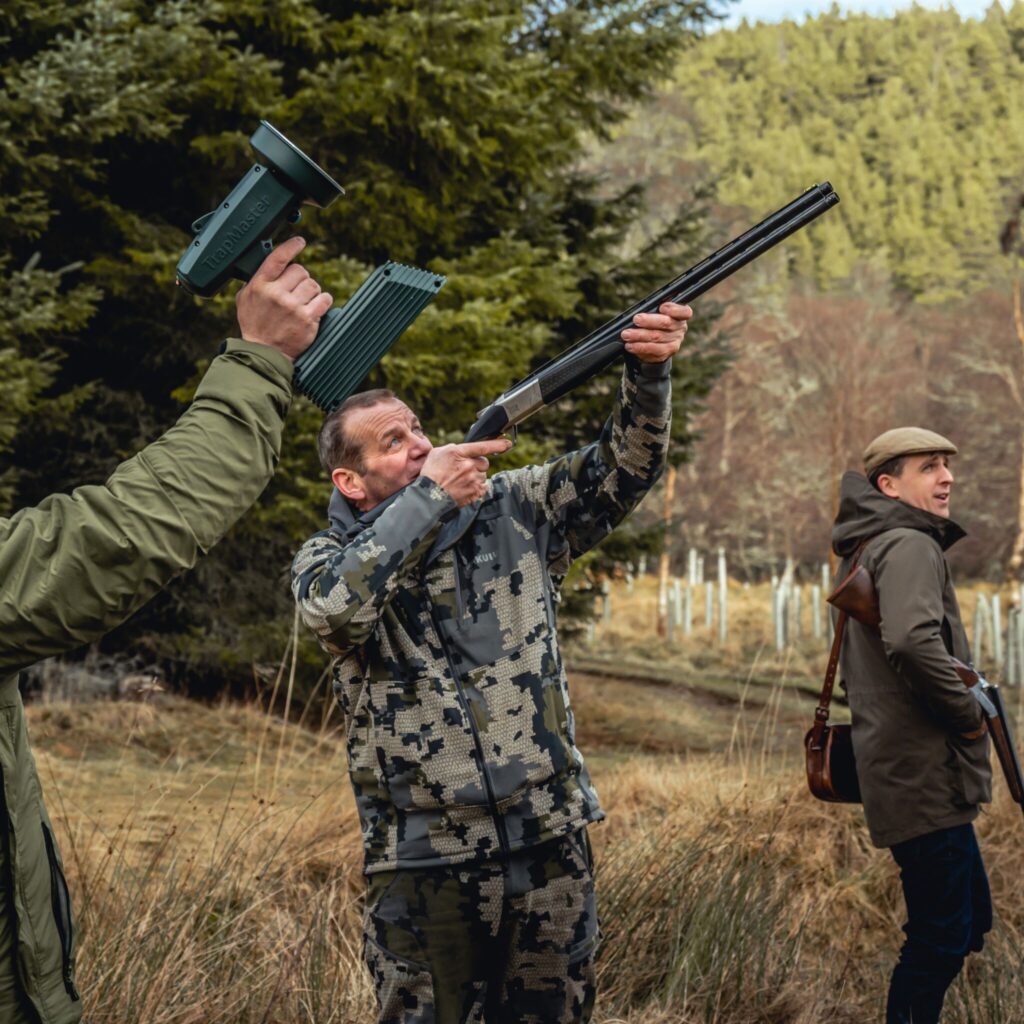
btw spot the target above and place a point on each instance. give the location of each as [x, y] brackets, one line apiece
[904, 441]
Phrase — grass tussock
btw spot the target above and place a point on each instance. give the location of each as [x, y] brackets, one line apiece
[212, 883]
[214, 858]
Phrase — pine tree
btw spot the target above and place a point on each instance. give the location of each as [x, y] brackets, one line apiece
[457, 129]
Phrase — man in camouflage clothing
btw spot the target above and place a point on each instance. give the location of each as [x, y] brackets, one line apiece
[435, 589]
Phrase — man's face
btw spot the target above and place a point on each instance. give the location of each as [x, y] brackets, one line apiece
[393, 448]
[926, 482]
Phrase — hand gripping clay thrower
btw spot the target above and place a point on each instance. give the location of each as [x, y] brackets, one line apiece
[233, 240]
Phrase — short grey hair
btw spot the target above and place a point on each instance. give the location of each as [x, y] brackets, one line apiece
[338, 450]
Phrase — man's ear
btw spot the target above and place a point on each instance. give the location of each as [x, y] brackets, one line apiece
[350, 483]
[885, 485]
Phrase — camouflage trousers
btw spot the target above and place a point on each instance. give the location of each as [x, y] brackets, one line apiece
[496, 942]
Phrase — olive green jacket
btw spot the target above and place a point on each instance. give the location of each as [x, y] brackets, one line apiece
[909, 708]
[74, 567]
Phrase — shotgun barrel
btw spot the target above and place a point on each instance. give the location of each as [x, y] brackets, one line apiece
[990, 698]
[604, 345]
[1006, 749]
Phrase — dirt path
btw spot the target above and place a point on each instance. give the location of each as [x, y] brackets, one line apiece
[617, 712]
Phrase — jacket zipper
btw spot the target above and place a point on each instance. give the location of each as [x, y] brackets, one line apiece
[61, 900]
[6, 835]
[460, 600]
[492, 801]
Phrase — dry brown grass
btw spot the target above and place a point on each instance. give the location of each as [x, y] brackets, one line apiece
[631, 634]
[219, 883]
[211, 885]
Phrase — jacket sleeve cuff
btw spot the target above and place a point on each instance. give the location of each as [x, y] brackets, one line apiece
[638, 369]
[264, 359]
[431, 497]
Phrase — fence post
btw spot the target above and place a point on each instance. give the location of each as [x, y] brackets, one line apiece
[723, 592]
[1010, 675]
[691, 566]
[826, 589]
[978, 647]
[796, 610]
[989, 639]
[688, 612]
[816, 610]
[779, 609]
[709, 604]
[997, 632]
[1020, 638]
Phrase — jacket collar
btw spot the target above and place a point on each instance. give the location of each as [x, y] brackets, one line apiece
[344, 518]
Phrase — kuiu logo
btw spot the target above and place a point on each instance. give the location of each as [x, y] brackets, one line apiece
[486, 556]
[237, 233]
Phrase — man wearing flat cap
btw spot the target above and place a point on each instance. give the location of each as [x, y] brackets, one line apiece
[918, 734]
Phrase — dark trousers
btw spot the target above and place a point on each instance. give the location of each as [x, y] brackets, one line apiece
[949, 910]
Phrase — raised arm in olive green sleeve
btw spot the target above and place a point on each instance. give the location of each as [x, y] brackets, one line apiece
[76, 565]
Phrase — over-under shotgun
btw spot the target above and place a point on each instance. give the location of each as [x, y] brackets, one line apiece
[603, 346]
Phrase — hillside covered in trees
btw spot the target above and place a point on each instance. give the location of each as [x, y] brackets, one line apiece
[897, 307]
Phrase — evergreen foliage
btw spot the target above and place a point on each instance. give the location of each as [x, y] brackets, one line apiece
[457, 129]
[917, 119]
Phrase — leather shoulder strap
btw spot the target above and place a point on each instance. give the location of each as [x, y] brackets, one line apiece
[821, 712]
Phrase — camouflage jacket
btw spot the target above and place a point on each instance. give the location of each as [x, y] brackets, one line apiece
[461, 741]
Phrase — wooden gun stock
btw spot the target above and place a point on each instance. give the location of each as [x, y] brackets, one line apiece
[1007, 758]
[856, 596]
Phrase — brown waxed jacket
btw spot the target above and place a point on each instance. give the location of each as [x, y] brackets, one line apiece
[908, 705]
